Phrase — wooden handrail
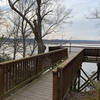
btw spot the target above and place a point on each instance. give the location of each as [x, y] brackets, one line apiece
[64, 75]
[13, 73]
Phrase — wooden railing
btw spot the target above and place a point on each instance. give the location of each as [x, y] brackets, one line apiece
[92, 52]
[14, 74]
[88, 51]
[65, 74]
[55, 48]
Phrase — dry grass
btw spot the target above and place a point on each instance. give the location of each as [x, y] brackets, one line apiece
[90, 95]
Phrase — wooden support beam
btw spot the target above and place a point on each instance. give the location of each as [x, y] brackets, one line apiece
[1, 82]
[98, 71]
[84, 73]
[79, 73]
[83, 78]
[84, 85]
[74, 85]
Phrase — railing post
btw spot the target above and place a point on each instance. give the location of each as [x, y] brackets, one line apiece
[1, 82]
[79, 76]
[79, 80]
[60, 87]
[38, 65]
[98, 71]
[57, 85]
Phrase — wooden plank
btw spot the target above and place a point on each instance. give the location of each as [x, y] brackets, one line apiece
[86, 82]
[1, 83]
[55, 86]
[98, 71]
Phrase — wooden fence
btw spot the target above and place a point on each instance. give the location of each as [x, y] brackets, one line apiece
[64, 75]
[16, 73]
[55, 48]
[88, 51]
[92, 52]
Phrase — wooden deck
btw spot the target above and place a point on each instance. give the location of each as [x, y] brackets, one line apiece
[39, 89]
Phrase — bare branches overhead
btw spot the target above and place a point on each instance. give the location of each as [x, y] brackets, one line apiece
[42, 17]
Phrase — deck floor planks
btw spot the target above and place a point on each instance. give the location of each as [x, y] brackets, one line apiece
[39, 89]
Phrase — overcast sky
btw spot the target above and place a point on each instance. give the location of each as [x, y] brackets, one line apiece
[82, 28]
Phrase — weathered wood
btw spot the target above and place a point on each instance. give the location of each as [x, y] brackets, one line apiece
[55, 86]
[87, 82]
[91, 55]
[55, 48]
[79, 74]
[16, 72]
[98, 71]
[67, 72]
[92, 52]
[1, 83]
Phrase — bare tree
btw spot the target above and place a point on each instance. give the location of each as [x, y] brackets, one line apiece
[14, 35]
[3, 39]
[1, 16]
[34, 26]
[40, 17]
[18, 34]
[94, 15]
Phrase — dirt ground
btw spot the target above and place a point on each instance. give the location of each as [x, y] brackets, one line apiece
[90, 95]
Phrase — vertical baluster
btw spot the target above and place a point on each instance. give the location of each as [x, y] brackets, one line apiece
[17, 69]
[6, 76]
[31, 67]
[21, 72]
[9, 74]
[28, 68]
[1, 82]
[24, 69]
[35, 65]
[18, 72]
[15, 72]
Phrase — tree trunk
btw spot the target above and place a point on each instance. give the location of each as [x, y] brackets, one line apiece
[24, 46]
[23, 38]
[37, 29]
[41, 46]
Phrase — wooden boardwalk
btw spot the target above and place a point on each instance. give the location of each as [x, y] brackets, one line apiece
[39, 89]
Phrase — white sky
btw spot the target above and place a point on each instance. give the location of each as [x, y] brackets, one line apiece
[83, 28]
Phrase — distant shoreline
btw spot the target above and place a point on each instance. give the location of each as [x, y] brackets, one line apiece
[56, 41]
